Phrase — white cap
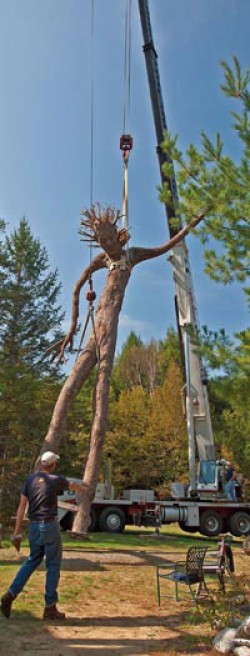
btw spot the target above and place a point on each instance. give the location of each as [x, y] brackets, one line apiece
[48, 458]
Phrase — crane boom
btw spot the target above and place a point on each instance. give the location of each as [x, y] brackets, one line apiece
[199, 428]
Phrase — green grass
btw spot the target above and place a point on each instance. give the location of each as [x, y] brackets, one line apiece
[171, 539]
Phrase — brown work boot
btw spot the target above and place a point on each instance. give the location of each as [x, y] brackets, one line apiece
[52, 613]
[6, 603]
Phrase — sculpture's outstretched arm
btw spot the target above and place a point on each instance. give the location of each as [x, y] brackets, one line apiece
[141, 254]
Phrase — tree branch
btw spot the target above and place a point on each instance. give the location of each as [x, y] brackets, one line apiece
[99, 262]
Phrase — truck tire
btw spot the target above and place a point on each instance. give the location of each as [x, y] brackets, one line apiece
[188, 529]
[112, 520]
[239, 524]
[211, 523]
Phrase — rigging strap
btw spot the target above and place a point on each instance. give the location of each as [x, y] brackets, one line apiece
[120, 264]
[83, 334]
[126, 145]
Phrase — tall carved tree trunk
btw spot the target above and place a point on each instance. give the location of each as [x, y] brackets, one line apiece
[109, 311]
[100, 227]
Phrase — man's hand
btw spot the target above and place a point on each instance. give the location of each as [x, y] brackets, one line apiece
[16, 540]
[78, 487]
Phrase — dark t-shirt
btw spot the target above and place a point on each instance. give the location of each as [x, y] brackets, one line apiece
[229, 473]
[41, 490]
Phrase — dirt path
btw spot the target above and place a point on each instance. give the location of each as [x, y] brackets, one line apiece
[109, 599]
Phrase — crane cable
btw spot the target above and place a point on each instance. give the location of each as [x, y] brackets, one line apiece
[90, 294]
[127, 66]
[126, 140]
[126, 145]
[92, 98]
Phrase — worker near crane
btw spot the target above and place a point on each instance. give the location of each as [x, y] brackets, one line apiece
[39, 496]
[230, 482]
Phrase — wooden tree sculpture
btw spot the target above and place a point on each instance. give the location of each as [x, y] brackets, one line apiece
[99, 226]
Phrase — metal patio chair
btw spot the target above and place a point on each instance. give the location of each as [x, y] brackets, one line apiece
[188, 572]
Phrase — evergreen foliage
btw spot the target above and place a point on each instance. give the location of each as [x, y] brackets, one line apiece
[210, 181]
[30, 321]
[30, 315]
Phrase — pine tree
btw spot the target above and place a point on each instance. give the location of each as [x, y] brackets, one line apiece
[30, 314]
[211, 181]
[30, 320]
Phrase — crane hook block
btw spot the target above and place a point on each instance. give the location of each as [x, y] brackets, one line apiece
[126, 142]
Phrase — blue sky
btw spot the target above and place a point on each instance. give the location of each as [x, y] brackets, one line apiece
[45, 80]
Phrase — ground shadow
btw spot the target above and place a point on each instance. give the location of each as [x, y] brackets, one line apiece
[71, 564]
[130, 622]
[25, 633]
[126, 557]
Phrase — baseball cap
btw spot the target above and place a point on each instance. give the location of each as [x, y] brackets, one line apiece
[48, 458]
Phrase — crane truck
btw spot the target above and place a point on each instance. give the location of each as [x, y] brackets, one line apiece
[201, 505]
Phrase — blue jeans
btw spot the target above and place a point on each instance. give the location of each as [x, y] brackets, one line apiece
[45, 541]
[230, 490]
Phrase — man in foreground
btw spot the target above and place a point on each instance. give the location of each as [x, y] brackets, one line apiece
[39, 494]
